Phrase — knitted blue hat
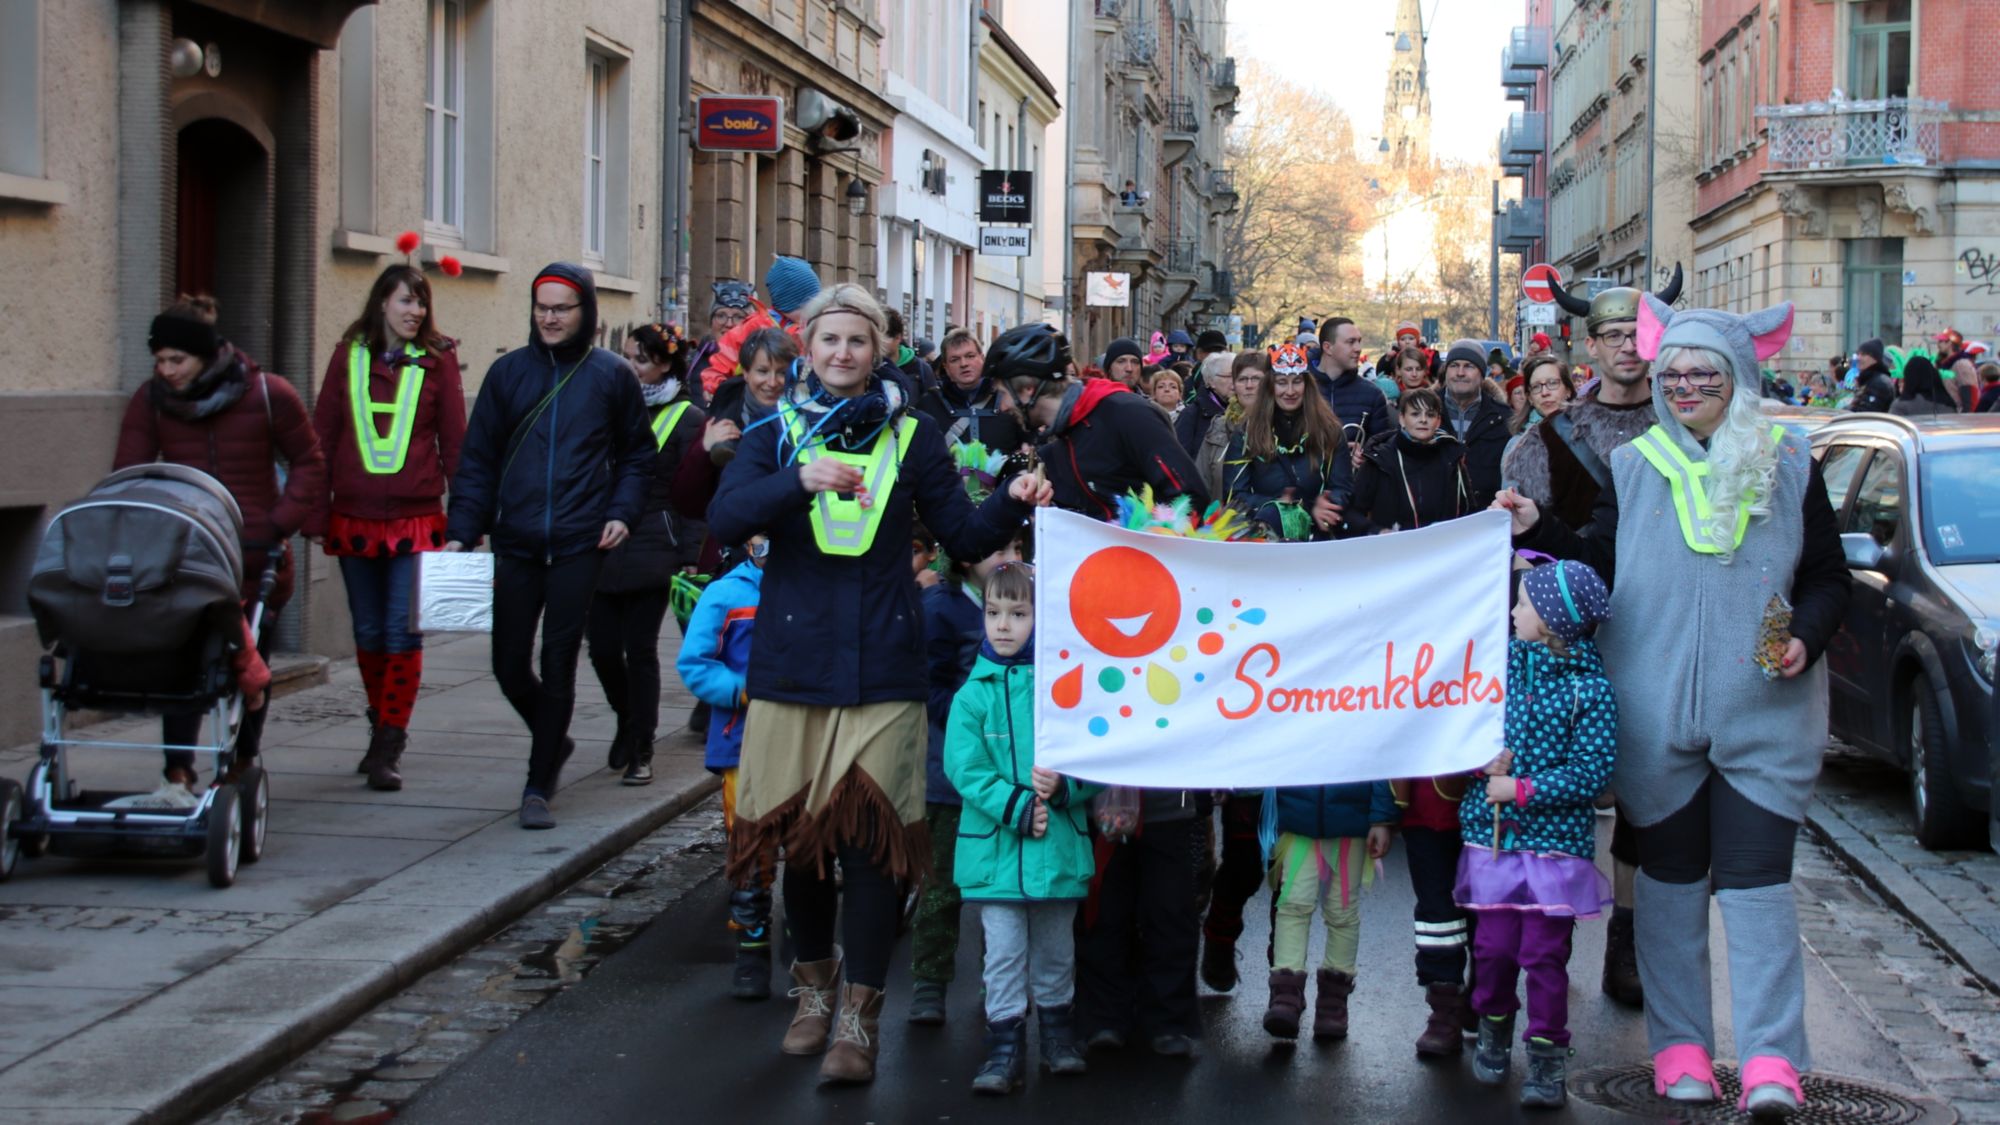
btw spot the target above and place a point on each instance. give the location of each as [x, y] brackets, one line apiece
[1570, 598]
[790, 283]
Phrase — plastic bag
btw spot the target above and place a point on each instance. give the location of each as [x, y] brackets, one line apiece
[454, 593]
[1116, 811]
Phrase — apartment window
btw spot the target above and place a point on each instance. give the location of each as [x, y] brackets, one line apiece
[444, 118]
[1872, 291]
[1878, 59]
[606, 161]
[21, 88]
[982, 123]
[596, 130]
[357, 121]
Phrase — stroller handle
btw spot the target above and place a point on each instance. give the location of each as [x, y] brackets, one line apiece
[267, 582]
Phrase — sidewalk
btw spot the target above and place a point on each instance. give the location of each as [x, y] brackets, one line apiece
[135, 991]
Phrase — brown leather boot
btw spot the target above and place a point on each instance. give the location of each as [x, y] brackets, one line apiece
[851, 1058]
[1288, 1003]
[1441, 1035]
[1330, 1006]
[814, 1018]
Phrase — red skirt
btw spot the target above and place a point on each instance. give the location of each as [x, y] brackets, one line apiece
[382, 539]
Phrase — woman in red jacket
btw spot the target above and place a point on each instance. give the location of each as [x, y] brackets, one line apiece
[390, 415]
[208, 406]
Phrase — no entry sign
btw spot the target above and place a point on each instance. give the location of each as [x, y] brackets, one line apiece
[1535, 282]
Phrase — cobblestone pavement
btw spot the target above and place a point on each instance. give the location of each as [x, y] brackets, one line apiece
[363, 1072]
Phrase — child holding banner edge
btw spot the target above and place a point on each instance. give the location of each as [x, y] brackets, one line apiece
[1528, 867]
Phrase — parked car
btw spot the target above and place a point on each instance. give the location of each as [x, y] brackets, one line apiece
[1806, 419]
[1912, 668]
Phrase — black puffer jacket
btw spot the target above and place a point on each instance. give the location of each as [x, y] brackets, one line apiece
[1485, 440]
[661, 541]
[1257, 485]
[1108, 442]
[1402, 484]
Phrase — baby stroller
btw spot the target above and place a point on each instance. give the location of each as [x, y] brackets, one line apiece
[135, 593]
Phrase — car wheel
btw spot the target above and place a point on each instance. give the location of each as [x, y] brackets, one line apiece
[1940, 819]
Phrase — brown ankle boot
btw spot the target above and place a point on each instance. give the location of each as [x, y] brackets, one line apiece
[814, 1018]
[1288, 1003]
[1441, 1035]
[851, 1059]
[385, 754]
[1330, 1006]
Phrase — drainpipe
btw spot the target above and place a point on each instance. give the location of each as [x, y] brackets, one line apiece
[676, 53]
[1069, 318]
[1652, 116]
[1021, 263]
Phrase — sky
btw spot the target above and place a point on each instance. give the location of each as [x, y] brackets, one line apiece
[1341, 49]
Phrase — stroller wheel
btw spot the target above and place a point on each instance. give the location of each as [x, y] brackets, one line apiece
[254, 788]
[225, 836]
[10, 815]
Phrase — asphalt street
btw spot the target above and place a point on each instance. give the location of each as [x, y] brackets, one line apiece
[652, 1035]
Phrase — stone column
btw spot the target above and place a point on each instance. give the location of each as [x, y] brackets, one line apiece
[145, 180]
[791, 204]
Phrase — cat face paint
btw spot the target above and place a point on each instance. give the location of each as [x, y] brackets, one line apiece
[1698, 395]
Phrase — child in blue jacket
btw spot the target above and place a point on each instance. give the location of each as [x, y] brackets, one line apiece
[714, 661]
[1530, 838]
[1321, 840]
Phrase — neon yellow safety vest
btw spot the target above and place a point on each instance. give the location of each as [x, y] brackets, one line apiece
[380, 453]
[665, 420]
[1688, 479]
[843, 526]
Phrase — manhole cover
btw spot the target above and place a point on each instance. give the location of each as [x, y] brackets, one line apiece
[1829, 1099]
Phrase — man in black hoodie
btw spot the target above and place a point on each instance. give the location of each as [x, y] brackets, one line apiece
[1876, 391]
[554, 467]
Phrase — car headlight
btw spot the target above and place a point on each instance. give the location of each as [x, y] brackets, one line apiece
[1985, 646]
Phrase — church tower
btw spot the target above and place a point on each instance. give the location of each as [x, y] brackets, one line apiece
[1406, 106]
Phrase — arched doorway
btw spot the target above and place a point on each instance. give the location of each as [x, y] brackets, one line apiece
[223, 231]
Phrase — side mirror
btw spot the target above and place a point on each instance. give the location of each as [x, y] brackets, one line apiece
[1862, 551]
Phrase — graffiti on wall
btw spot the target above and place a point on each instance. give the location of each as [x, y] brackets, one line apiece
[1982, 272]
[1921, 318]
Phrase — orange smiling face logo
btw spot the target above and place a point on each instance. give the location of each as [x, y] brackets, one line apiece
[1124, 602]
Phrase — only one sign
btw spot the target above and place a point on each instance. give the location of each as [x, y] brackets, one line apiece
[1006, 197]
[736, 123]
[1535, 283]
[1538, 313]
[1107, 290]
[1006, 242]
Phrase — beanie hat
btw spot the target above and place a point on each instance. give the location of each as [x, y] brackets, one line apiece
[1211, 340]
[1408, 328]
[184, 333]
[1122, 346]
[1468, 350]
[1873, 348]
[790, 283]
[1542, 343]
[1569, 597]
[1515, 384]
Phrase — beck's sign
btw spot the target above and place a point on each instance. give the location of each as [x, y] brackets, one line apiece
[1006, 197]
[1190, 664]
[736, 123]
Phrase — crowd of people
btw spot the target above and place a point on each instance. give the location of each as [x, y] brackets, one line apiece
[801, 481]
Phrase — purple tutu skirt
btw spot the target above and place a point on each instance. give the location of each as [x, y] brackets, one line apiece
[1564, 886]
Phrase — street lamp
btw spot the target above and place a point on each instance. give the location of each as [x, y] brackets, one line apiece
[857, 196]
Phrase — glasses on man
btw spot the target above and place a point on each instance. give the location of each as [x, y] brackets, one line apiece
[1697, 378]
[546, 311]
[1616, 340]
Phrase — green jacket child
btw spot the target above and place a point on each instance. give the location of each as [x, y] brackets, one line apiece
[989, 754]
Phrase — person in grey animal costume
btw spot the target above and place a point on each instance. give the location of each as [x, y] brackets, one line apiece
[1729, 582]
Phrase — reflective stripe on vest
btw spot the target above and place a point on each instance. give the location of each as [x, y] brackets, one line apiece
[383, 453]
[665, 420]
[1688, 480]
[841, 525]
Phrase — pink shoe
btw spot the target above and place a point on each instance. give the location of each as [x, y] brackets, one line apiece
[1770, 1088]
[1685, 1073]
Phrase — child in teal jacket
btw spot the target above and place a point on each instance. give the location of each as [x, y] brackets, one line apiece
[1023, 851]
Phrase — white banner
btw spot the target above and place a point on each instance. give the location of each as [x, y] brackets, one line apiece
[1187, 663]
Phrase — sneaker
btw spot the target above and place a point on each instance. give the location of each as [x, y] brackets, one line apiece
[1173, 1045]
[927, 1003]
[1547, 1083]
[1494, 1056]
[638, 773]
[535, 812]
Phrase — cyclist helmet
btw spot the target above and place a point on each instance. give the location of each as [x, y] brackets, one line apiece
[1036, 350]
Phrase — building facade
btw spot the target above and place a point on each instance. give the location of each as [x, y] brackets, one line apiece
[269, 154]
[1016, 105]
[1153, 94]
[1850, 163]
[929, 226]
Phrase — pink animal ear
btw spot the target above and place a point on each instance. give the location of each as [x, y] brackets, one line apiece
[1770, 329]
[1651, 328]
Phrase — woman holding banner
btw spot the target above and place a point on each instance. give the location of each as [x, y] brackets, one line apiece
[1730, 582]
[833, 749]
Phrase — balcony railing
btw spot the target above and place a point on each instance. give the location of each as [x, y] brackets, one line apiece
[1530, 46]
[1841, 134]
[1180, 255]
[1223, 285]
[1224, 75]
[1181, 117]
[1222, 181]
[1521, 223]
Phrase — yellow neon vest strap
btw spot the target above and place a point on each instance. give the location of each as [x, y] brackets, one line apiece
[665, 421]
[383, 454]
[843, 526]
[1688, 480]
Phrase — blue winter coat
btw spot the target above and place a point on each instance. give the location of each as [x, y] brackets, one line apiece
[544, 482]
[954, 626]
[1259, 484]
[715, 655]
[1358, 402]
[1333, 812]
[1562, 725]
[838, 631]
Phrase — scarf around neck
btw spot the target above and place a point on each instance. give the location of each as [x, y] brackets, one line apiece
[215, 390]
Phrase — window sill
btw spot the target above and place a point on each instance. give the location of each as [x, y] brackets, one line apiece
[473, 261]
[361, 242]
[615, 283]
[33, 190]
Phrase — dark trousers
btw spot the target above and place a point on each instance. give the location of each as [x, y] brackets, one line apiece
[867, 904]
[1241, 871]
[624, 639]
[934, 934]
[1442, 928]
[185, 730]
[1719, 836]
[557, 596]
[1510, 943]
[1135, 959]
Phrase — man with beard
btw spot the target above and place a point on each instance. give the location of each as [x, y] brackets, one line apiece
[967, 405]
[1562, 463]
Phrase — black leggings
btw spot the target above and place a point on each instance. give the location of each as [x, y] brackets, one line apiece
[1721, 837]
[874, 908]
[557, 595]
[185, 730]
[625, 651]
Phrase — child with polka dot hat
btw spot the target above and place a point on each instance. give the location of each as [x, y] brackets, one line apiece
[1530, 839]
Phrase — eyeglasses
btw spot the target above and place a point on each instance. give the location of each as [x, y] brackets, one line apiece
[1616, 340]
[1545, 385]
[1691, 378]
[546, 311]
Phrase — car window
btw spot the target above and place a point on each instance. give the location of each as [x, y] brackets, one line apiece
[1961, 506]
[1839, 466]
[1878, 499]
